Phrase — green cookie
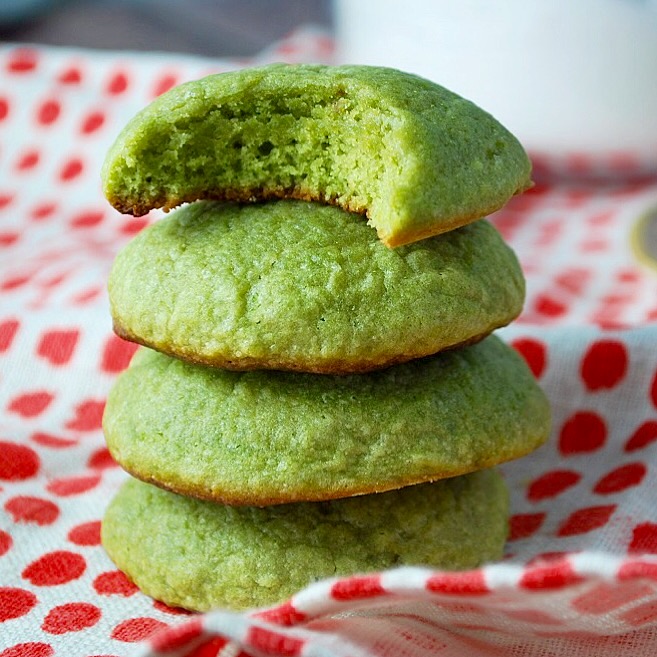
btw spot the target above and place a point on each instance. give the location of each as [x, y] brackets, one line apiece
[259, 438]
[417, 159]
[199, 555]
[302, 286]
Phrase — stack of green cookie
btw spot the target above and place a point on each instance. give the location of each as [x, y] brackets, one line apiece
[309, 400]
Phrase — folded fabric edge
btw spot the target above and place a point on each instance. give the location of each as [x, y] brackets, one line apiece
[284, 628]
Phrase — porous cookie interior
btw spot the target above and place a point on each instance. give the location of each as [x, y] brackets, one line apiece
[414, 157]
[202, 555]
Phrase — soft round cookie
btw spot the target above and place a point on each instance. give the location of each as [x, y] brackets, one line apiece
[269, 437]
[303, 286]
[417, 159]
[200, 555]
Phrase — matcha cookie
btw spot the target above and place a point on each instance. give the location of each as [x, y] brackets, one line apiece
[302, 286]
[417, 159]
[199, 555]
[269, 437]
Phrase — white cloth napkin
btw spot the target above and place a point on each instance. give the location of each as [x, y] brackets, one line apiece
[580, 575]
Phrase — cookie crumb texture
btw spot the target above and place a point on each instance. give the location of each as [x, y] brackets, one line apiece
[200, 555]
[258, 438]
[301, 286]
[417, 159]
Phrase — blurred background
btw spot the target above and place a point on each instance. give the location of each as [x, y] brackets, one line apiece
[214, 28]
[575, 76]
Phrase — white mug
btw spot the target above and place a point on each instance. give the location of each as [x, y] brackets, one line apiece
[563, 75]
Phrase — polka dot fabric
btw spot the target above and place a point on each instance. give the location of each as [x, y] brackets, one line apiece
[580, 573]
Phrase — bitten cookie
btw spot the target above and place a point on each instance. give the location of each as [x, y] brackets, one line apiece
[302, 286]
[199, 555]
[417, 159]
[258, 438]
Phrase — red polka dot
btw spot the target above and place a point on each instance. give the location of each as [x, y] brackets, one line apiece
[604, 365]
[101, 459]
[642, 614]
[8, 330]
[4, 108]
[5, 200]
[645, 435]
[5, 542]
[176, 637]
[544, 557]
[54, 281]
[71, 617]
[32, 649]
[546, 305]
[136, 629]
[54, 568]
[92, 122]
[15, 282]
[176, 611]
[628, 276]
[523, 525]
[592, 245]
[465, 583]
[48, 112]
[606, 597]
[42, 211]
[573, 280]
[31, 404]
[86, 534]
[17, 462]
[534, 353]
[114, 582]
[621, 478]
[71, 169]
[67, 486]
[272, 643]
[56, 442]
[163, 85]
[583, 432]
[88, 416]
[637, 569]
[210, 648]
[22, 60]
[117, 354]
[644, 538]
[57, 346]
[552, 484]
[15, 603]
[608, 323]
[27, 160]
[133, 226]
[29, 509]
[70, 76]
[285, 614]
[653, 391]
[7, 239]
[87, 219]
[586, 520]
[118, 83]
[357, 587]
[550, 576]
[87, 295]
[601, 218]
